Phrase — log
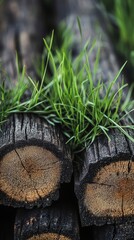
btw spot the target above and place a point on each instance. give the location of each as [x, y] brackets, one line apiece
[30, 28]
[114, 232]
[7, 46]
[34, 160]
[104, 185]
[59, 221]
[19, 23]
[104, 178]
[93, 29]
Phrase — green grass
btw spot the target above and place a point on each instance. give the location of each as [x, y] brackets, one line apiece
[122, 14]
[68, 95]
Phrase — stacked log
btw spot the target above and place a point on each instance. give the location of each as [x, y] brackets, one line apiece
[34, 159]
[104, 185]
[104, 182]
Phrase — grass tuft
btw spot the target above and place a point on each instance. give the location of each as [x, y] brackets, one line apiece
[70, 96]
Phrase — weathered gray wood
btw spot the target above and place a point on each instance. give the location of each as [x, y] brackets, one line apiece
[56, 222]
[105, 175]
[34, 160]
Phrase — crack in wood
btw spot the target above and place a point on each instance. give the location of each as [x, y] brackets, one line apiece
[33, 183]
[114, 232]
[129, 166]
[122, 207]
[103, 184]
[26, 136]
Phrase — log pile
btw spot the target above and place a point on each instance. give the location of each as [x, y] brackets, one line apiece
[34, 159]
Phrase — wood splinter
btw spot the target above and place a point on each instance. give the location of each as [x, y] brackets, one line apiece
[34, 160]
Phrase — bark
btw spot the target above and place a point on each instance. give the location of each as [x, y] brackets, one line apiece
[56, 222]
[114, 232]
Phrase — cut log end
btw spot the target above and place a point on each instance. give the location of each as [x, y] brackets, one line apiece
[29, 173]
[104, 183]
[110, 194]
[34, 161]
[49, 236]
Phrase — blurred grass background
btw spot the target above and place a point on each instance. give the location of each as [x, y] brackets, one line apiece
[120, 15]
